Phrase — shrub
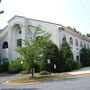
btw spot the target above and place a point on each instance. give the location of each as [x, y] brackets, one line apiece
[37, 67]
[67, 65]
[4, 66]
[76, 65]
[25, 66]
[43, 73]
[15, 67]
[70, 65]
[66, 57]
[85, 57]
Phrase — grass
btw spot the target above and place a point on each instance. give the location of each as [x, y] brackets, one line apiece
[37, 77]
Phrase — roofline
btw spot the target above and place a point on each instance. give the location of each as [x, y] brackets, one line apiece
[15, 16]
[77, 34]
[50, 23]
[45, 21]
[36, 20]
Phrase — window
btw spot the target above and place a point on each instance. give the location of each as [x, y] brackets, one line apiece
[71, 41]
[20, 31]
[5, 45]
[76, 48]
[63, 39]
[19, 42]
[76, 42]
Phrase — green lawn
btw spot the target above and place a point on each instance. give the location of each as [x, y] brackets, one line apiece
[37, 77]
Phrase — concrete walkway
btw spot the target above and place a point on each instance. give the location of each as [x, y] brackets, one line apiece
[81, 71]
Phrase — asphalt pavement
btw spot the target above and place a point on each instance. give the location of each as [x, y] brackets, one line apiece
[81, 82]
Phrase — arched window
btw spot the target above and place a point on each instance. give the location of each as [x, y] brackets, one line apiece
[76, 42]
[71, 41]
[17, 27]
[63, 39]
[5, 45]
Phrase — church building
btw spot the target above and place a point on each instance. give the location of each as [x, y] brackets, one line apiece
[12, 35]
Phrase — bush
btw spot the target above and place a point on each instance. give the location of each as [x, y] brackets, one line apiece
[43, 73]
[4, 66]
[70, 65]
[25, 66]
[85, 57]
[76, 65]
[67, 65]
[66, 57]
[37, 67]
[15, 67]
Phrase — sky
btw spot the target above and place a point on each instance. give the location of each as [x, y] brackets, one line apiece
[73, 13]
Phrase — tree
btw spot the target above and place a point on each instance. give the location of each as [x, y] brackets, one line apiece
[66, 57]
[51, 52]
[34, 44]
[85, 57]
[66, 51]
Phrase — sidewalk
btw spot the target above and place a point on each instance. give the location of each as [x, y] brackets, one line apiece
[81, 71]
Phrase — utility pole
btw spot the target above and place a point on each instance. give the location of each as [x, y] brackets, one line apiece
[1, 12]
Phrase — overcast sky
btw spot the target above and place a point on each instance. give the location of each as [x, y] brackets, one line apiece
[74, 13]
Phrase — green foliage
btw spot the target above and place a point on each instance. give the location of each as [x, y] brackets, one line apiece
[65, 51]
[4, 66]
[15, 67]
[34, 44]
[85, 57]
[76, 65]
[37, 67]
[66, 65]
[66, 57]
[51, 52]
[25, 66]
[43, 73]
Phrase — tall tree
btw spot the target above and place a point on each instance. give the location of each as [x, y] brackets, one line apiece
[51, 52]
[85, 57]
[34, 44]
[66, 57]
